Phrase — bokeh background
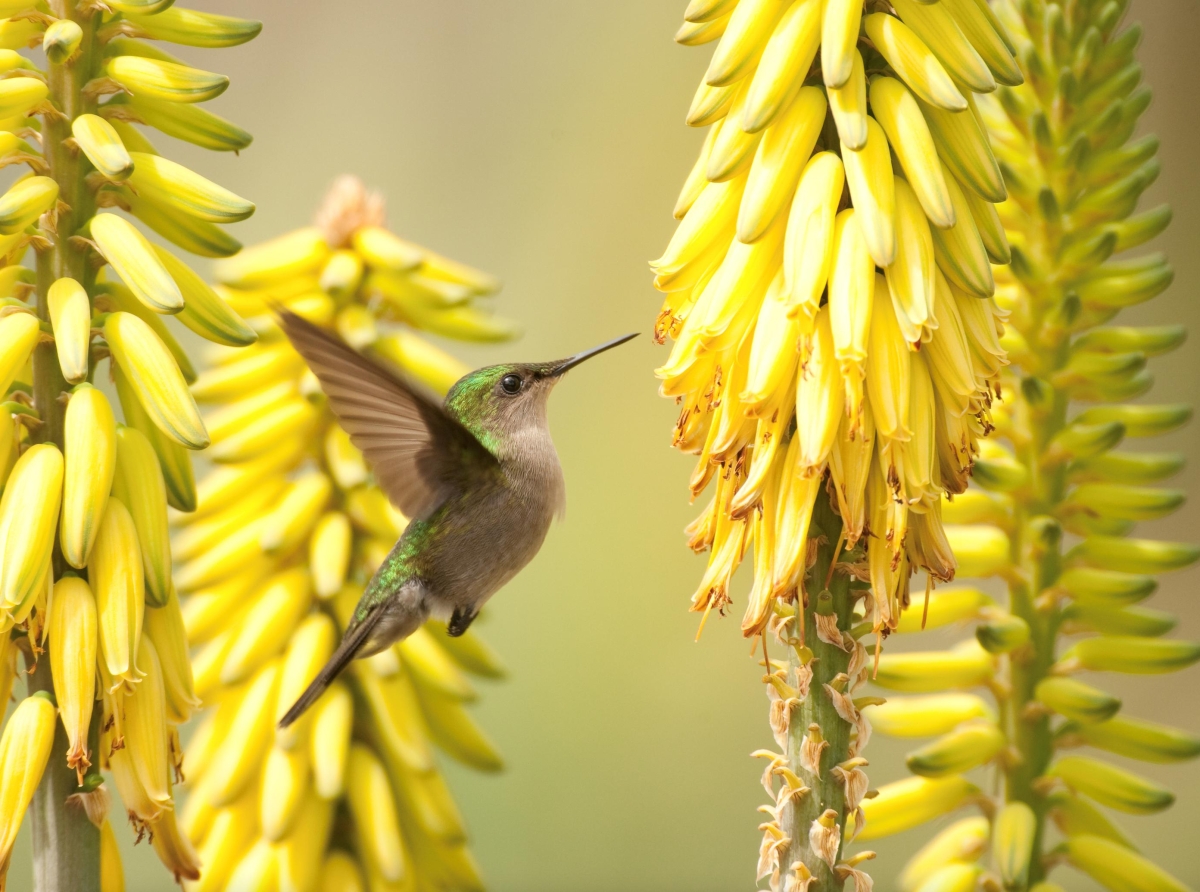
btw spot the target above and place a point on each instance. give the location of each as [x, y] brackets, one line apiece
[543, 140]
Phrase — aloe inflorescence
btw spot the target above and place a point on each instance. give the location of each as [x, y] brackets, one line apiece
[288, 528]
[86, 590]
[1059, 495]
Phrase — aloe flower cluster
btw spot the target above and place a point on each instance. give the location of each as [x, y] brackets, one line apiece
[288, 528]
[1060, 490]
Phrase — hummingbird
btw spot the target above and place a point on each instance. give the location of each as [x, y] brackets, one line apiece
[477, 476]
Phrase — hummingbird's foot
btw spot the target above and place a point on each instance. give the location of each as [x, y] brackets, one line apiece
[460, 621]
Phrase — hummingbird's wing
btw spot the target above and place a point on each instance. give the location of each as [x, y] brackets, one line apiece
[420, 455]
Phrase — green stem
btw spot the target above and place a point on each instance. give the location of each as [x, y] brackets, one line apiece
[828, 661]
[66, 845]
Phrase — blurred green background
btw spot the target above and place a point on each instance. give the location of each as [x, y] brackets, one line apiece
[543, 140]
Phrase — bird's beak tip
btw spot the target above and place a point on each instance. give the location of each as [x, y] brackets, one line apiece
[575, 360]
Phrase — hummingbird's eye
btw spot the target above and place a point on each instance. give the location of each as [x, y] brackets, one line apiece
[511, 384]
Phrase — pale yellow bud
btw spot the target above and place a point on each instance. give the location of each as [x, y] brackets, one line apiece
[115, 575]
[89, 434]
[24, 751]
[74, 642]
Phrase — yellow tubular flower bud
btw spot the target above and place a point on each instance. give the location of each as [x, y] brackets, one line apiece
[809, 245]
[18, 337]
[373, 807]
[743, 42]
[240, 752]
[819, 400]
[962, 842]
[138, 484]
[872, 188]
[888, 366]
[300, 853]
[285, 787]
[112, 873]
[912, 802]
[926, 716]
[339, 873]
[103, 147]
[960, 252]
[913, 61]
[266, 625]
[164, 628]
[24, 751]
[134, 260]
[911, 277]
[1118, 867]
[848, 104]
[28, 514]
[165, 80]
[89, 463]
[71, 320]
[25, 201]
[115, 575]
[773, 352]
[74, 641]
[329, 553]
[938, 29]
[296, 513]
[851, 301]
[839, 34]
[785, 61]
[782, 154]
[330, 741]
[145, 729]
[900, 116]
[155, 379]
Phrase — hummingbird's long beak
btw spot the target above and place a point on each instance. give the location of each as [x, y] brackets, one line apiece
[568, 364]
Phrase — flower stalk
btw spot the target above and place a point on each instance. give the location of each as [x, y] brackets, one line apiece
[73, 596]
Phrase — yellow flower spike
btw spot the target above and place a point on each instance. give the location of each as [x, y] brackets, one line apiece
[239, 755]
[819, 400]
[296, 513]
[73, 632]
[1012, 842]
[20, 94]
[138, 484]
[24, 751]
[285, 787]
[329, 553]
[782, 154]
[702, 237]
[930, 671]
[174, 187]
[873, 190]
[340, 873]
[960, 253]
[167, 81]
[28, 516]
[745, 37]
[809, 245]
[290, 420]
[1117, 867]
[89, 463]
[102, 145]
[773, 355]
[911, 802]
[220, 563]
[18, 336]
[266, 625]
[919, 465]
[852, 283]
[228, 839]
[962, 842]
[938, 29]
[784, 63]
[330, 741]
[164, 628]
[255, 368]
[135, 261]
[203, 311]
[115, 575]
[301, 852]
[962, 144]
[71, 321]
[911, 277]
[928, 715]
[112, 873]
[913, 61]
[145, 729]
[190, 27]
[155, 379]
[900, 116]
[455, 732]
[839, 35]
[25, 201]
[888, 366]
[372, 805]
[174, 849]
[123, 299]
[397, 718]
[710, 105]
[848, 103]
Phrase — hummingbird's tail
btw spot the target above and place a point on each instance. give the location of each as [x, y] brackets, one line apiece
[346, 651]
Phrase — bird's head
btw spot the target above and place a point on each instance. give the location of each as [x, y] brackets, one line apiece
[500, 400]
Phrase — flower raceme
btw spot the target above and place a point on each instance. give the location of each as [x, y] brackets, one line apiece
[829, 290]
[85, 575]
[1075, 174]
[287, 529]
